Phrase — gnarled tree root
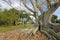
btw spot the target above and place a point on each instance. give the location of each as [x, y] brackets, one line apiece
[47, 34]
[51, 34]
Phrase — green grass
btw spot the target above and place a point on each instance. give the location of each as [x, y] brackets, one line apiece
[10, 28]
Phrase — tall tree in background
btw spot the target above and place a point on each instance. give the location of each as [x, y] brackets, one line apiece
[45, 25]
[7, 17]
[25, 17]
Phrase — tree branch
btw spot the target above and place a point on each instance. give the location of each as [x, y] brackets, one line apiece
[48, 3]
[34, 5]
[27, 6]
[51, 22]
[39, 6]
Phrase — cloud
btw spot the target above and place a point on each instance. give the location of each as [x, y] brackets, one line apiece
[4, 5]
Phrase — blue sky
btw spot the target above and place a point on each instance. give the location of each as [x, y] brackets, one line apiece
[57, 12]
[5, 5]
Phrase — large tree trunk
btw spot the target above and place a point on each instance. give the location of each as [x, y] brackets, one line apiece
[46, 26]
[49, 28]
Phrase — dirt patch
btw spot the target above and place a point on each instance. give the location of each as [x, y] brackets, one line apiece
[20, 34]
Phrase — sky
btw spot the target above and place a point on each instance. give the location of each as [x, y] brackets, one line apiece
[2, 4]
[16, 4]
[57, 12]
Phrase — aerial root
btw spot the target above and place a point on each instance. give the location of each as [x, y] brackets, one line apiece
[52, 34]
[54, 38]
[47, 34]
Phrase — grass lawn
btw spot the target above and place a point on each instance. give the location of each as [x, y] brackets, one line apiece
[10, 28]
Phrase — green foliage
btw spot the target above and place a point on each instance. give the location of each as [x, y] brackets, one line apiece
[39, 17]
[58, 21]
[24, 17]
[7, 17]
[54, 18]
[12, 16]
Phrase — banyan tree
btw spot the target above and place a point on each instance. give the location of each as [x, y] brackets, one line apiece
[45, 26]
